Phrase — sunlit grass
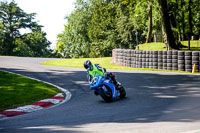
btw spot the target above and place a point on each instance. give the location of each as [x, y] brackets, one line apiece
[194, 45]
[17, 91]
[152, 46]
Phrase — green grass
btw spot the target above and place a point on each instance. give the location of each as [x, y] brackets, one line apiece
[104, 62]
[17, 91]
[194, 45]
[152, 46]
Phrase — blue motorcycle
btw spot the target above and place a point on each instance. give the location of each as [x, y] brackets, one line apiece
[106, 89]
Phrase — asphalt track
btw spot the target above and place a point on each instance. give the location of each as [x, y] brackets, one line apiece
[156, 102]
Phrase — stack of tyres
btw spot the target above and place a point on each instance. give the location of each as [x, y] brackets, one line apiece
[181, 60]
[133, 58]
[114, 56]
[155, 59]
[169, 60]
[116, 60]
[195, 59]
[128, 58]
[160, 60]
[140, 59]
[137, 59]
[174, 60]
[165, 60]
[151, 59]
[119, 57]
[147, 59]
[125, 53]
[188, 61]
[143, 59]
[123, 57]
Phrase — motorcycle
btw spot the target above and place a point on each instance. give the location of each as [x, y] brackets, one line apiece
[106, 89]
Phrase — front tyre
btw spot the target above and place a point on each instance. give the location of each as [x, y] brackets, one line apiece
[107, 96]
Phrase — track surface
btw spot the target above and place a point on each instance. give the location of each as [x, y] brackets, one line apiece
[156, 102]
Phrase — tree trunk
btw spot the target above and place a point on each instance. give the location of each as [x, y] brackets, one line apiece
[150, 23]
[183, 22]
[166, 25]
[190, 23]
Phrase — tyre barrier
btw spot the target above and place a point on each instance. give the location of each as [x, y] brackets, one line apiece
[165, 60]
[133, 58]
[181, 60]
[143, 59]
[174, 60]
[147, 59]
[168, 60]
[128, 58]
[150, 59]
[195, 60]
[160, 60]
[188, 61]
[155, 60]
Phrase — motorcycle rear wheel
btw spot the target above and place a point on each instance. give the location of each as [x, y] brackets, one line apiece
[122, 92]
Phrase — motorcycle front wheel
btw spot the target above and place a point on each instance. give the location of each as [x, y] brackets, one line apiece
[107, 96]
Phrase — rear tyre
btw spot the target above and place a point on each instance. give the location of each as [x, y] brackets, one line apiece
[122, 92]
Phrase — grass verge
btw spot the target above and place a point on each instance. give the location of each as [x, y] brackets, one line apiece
[194, 45]
[17, 91]
[152, 46]
[104, 62]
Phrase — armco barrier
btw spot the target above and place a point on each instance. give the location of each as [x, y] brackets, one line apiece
[168, 60]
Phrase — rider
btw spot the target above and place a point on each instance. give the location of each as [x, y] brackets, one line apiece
[93, 69]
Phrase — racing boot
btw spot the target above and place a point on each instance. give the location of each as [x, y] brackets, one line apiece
[118, 85]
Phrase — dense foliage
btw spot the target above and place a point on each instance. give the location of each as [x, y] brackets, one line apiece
[95, 27]
[12, 41]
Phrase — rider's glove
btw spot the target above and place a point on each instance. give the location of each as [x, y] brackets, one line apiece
[105, 75]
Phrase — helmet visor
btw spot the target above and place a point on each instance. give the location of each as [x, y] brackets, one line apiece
[90, 68]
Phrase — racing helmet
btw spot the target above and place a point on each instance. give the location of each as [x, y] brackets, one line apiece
[88, 65]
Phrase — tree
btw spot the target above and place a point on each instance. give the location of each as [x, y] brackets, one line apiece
[150, 23]
[33, 44]
[74, 41]
[124, 25]
[12, 20]
[190, 23]
[184, 17]
[196, 18]
[95, 27]
[171, 44]
[101, 29]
